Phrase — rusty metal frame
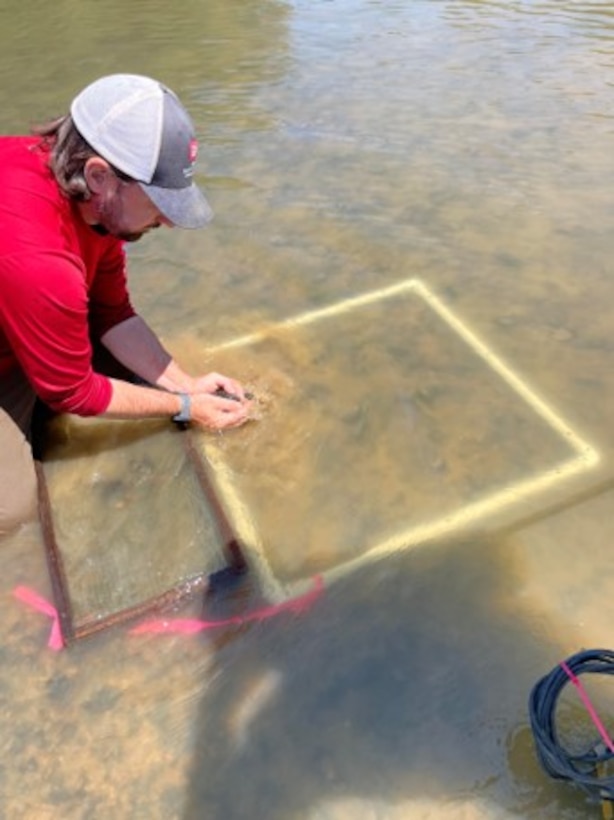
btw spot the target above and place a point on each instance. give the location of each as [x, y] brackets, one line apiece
[72, 632]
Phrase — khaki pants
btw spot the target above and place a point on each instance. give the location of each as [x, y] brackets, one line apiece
[17, 475]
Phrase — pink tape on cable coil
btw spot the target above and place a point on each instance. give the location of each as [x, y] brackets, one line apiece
[588, 705]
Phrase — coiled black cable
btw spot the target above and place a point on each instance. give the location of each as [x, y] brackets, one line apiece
[559, 763]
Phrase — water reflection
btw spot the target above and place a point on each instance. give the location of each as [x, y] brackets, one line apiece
[197, 49]
[593, 20]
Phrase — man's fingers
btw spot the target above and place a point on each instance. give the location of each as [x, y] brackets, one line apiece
[238, 395]
[219, 412]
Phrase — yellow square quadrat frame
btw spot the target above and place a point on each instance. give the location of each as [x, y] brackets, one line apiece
[583, 455]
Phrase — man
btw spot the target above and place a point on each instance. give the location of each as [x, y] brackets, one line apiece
[118, 165]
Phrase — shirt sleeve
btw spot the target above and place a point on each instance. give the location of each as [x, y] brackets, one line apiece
[44, 312]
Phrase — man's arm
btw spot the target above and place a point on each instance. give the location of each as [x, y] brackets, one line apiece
[131, 401]
[137, 347]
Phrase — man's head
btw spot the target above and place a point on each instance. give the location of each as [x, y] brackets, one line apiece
[128, 149]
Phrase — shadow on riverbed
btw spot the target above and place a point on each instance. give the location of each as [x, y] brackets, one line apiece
[405, 682]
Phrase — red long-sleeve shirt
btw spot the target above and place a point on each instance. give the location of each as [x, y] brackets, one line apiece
[59, 282]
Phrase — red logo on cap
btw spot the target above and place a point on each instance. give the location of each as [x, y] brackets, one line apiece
[193, 151]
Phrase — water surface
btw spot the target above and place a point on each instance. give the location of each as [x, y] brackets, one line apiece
[346, 147]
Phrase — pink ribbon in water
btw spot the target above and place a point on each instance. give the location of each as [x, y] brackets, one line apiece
[37, 602]
[184, 626]
[589, 706]
[189, 626]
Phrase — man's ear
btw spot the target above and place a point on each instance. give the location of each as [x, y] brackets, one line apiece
[98, 174]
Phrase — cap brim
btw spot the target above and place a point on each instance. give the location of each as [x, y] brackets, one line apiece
[185, 207]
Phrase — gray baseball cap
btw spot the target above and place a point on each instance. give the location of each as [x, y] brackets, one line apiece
[139, 126]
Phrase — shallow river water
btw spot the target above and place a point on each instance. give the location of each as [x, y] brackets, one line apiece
[411, 267]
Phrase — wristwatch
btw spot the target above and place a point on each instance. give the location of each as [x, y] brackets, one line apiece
[185, 414]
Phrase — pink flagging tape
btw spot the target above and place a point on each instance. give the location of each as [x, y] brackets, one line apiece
[37, 602]
[589, 706]
[184, 626]
[189, 626]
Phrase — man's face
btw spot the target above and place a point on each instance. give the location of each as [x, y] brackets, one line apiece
[125, 211]
[116, 206]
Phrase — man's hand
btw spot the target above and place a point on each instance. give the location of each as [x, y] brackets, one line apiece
[214, 382]
[219, 402]
[218, 413]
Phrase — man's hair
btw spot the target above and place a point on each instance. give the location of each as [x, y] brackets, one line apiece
[68, 153]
